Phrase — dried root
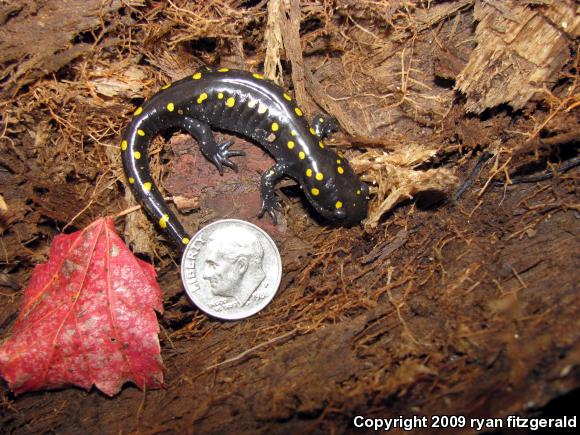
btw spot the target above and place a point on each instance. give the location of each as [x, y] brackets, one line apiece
[394, 178]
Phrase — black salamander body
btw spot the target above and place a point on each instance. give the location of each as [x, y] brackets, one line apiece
[247, 104]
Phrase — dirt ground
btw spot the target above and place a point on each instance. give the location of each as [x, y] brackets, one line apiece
[457, 296]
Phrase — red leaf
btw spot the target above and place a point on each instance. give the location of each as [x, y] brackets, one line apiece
[87, 318]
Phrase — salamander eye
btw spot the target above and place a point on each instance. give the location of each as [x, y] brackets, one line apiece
[339, 213]
[364, 189]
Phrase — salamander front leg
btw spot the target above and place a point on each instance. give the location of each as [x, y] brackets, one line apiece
[269, 201]
[325, 125]
[218, 154]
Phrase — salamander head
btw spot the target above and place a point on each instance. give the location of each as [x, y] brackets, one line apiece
[337, 194]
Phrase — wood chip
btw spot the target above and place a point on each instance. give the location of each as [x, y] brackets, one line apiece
[520, 50]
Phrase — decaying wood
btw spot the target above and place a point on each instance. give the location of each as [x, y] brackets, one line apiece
[400, 90]
[283, 40]
[293, 47]
[139, 232]
[345, 118]
[520, 51]
[34, 48]
[273, 36]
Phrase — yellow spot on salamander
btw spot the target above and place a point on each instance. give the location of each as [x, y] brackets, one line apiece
[291, 144]
[166, 86]
[131, 180]
[309, 172]
[137, 155]
[312, 131]
[163, 221]
[223, 70]
[124, 145]
[147, 186]
[196, 76]
[340, 170]
[358, 192]
[301, 155]
[314, 191]
[201, 98]
[252, 104]
[262, 108]
[319, 176]
[298, 111]
[320, 144]
[258, 76]
[140, 132]
[293, 133]
[171, 107]
[321, 120]
[230, 102]
[275, 126]
[287, 97]
[185, 240]
[138, 111]
[220, 96]
[338, 204]
[338, 161]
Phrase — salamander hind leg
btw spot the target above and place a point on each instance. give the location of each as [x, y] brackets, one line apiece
[269, 201]
[217, 153]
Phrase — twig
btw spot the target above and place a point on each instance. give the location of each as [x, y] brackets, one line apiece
[127, 211]
[252, 349]
[387, 248]
[140, 409]
[86, 207]
[572, 163]
[474, 173]
[573, 136]
[137, 207]
[548, 119]
[490, 178]
[397, 305]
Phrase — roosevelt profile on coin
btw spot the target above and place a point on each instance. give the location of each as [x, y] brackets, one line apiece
[233, 264]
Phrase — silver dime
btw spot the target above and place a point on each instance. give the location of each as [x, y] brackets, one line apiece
[231, 269]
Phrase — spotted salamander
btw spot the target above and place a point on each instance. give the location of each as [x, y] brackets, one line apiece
[256, 108]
